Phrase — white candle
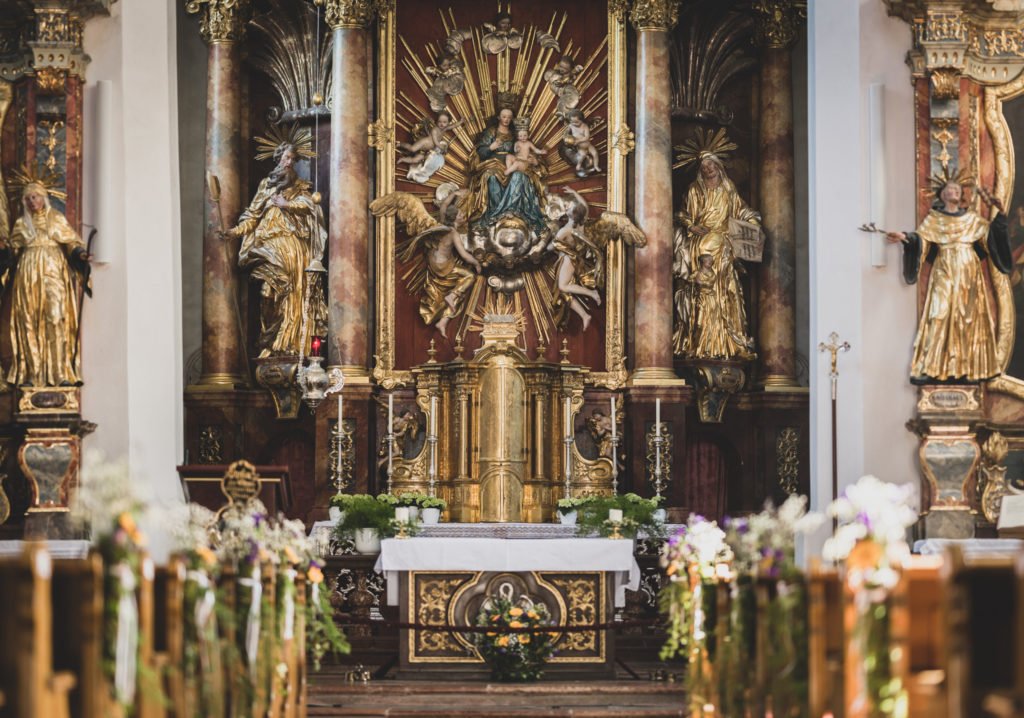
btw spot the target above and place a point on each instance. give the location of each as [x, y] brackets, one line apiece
[568, 418]
[433, 433]
[402, 514]
[615, 516]
[657, 434]
[613, 419]
[341, 435]
[391, 428]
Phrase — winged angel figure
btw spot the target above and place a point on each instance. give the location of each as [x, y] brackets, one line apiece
[581, 243]
[436, 254]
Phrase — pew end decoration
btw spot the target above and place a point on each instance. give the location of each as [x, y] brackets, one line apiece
[871, 541]
[737, 611]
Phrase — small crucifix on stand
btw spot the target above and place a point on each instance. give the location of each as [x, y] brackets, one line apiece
[833, 348]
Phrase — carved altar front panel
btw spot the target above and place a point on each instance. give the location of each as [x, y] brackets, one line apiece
[455, 597]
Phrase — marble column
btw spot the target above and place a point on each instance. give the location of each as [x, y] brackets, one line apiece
[653, 19]
[777, 23]
[348, 243]
[222, 25]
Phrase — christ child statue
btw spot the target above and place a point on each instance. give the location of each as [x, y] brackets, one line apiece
[524, 155]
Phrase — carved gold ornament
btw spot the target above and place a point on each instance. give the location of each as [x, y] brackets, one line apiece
[221, 20]
[379, 134]
[349, 13]
[777, 22]
[623, 139]
[654, 14]
[788, 458]
[946, 83]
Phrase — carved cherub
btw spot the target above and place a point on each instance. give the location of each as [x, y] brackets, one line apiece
[580, 244]
[437, 251]
[577, 135]
[525, 153]
[448, 79]
[501, 35]
[562, 80]
[425, 155]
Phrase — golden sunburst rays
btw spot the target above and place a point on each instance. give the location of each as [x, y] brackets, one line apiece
[521, 73]
[40, 175]
[497, 304]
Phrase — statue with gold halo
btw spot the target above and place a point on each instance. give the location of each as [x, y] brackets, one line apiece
[52, 270]
[711, 320]
[956, 335]
[283, 235]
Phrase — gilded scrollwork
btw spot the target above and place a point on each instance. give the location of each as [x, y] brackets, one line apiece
[654, 14]
[433, 596]
[992, 468]
[582, 604]
[623, 139]
[787, 458]
[379, 134]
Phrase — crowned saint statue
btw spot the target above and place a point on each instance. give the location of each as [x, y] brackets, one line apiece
[503, 189]
[711, 317]
[283, 241]
[52, 269]
[956, 334]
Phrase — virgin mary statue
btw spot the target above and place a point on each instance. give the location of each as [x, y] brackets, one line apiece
[493, 195]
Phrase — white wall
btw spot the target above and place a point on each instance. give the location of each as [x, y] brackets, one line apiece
[132, 362]
[869, 307]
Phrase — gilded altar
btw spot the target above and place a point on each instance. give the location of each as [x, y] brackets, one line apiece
[501, 455]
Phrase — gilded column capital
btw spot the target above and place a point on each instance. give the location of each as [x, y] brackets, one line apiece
[351, 13]
[777, 22]
[221, 20]
[56, 47]
[654, 14]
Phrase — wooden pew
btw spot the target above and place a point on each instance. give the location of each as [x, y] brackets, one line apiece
[32, 687]
[826, 639]
[983, 621]
[78, 632]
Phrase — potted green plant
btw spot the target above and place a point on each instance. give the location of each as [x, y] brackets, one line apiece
[568, 510]
[337, 506]
[367, 520]
[431, 508]
[411, 500]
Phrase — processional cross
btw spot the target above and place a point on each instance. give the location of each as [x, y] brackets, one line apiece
[833, 348]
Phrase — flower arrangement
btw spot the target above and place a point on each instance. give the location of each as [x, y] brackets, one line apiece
[106, 502]
[514, 656]
[764, 547]
[873, 518]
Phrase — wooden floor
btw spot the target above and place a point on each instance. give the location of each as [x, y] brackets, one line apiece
[330, 695]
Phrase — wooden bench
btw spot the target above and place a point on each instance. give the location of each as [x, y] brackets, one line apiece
[31, 685]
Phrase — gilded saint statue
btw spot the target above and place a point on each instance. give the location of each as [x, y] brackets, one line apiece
[283, 240]
[956, 334]
[51, 272]
[711, 320]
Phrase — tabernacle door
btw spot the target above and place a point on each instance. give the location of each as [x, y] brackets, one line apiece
[503, 457]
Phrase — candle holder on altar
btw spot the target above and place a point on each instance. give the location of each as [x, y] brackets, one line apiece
[341, 452]
[616, 533]
[432, 444]
[659, 458]
[615, 463]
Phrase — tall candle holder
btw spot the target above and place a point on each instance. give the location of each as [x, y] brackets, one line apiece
[337, 379]
[659, 446]
[390, 437]
[615, 464]
[567, 440]
[432, 443]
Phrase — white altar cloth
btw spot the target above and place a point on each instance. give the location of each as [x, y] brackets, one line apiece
[489, 554]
